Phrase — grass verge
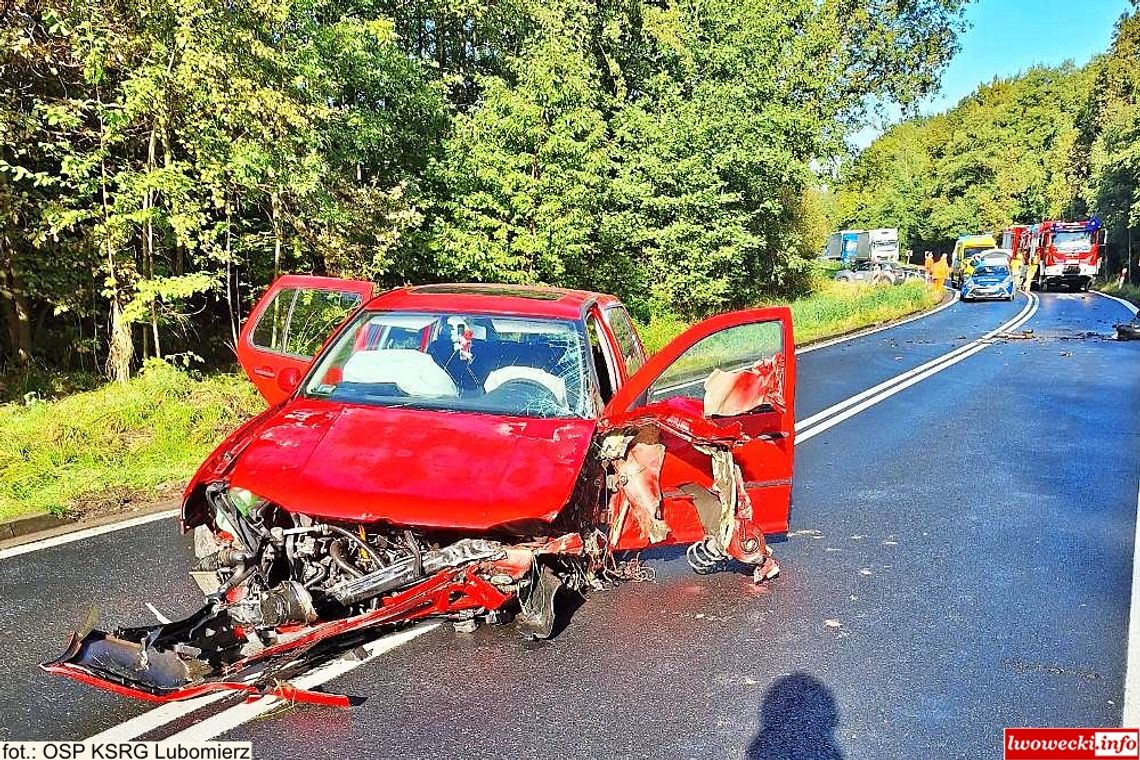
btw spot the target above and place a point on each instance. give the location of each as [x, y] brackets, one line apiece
[1127, 292]
[102, 449]
[833, 308]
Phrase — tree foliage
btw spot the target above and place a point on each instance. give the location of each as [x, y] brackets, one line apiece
[1002, 155]
[1051, 143]
[162, 161]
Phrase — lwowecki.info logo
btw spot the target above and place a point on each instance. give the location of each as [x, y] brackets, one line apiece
[1071, 743]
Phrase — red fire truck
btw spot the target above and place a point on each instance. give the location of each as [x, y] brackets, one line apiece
[1068, 253]
[1013, 239]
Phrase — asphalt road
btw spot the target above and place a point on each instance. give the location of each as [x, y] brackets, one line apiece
[960, 561]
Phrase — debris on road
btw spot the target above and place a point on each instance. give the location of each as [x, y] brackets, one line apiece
[1128, 330]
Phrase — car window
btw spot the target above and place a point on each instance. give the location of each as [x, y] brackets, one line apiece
[603, 364]
[731, 349]
[457, 362]
[626, 335]
[298, 321]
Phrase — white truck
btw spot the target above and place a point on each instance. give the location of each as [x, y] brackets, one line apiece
[884, 244]
[849, 246]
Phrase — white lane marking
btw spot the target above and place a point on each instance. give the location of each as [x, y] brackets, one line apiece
[79, 535]
[159, 716]
[162, 619]
[834, 341]
[231, 718]
[1131, 714]
[1013, 323]
[1126, 304]
[872, 330]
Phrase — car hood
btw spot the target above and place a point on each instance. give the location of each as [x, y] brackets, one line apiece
[414, 467]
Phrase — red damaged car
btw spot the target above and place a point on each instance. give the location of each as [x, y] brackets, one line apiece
[459, 451]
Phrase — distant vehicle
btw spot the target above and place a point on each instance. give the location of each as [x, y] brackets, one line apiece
[848, 245]
[863, 245]
[884, 244]
[989, 278]
[966, 247]
[992, 256]
[872, 272]
[1069, 253]
[1014, 238]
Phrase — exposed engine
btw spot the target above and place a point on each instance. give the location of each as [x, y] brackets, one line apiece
[269, 568]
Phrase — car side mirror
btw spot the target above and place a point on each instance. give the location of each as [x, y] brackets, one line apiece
[288, 379]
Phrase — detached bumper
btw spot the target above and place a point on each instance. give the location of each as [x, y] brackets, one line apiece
[207, 652]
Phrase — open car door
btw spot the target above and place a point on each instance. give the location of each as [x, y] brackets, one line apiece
[727, 382]
[289, 325]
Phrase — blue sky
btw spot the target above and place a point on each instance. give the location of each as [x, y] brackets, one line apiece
[1008, 36]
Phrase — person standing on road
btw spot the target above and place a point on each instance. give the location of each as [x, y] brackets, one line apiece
[1015, 270]
[928, 265]
[1030, 273]
[940, 271]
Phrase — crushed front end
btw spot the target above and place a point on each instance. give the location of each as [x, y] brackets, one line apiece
[284, 592]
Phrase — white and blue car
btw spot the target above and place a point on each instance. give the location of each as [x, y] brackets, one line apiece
[989, 279]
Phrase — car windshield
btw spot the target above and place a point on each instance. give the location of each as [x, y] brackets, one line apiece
[457, 362]
[995, 270]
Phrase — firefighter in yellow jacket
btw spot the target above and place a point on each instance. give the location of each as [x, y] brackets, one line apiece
[1030, 274]
[940, 271]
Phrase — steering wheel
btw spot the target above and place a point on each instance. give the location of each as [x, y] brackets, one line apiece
[529, 389]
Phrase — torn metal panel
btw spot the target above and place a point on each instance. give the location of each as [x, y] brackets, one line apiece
[729, 394]
[638, 494]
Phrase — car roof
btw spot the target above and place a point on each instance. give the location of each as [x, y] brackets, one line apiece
[492, 298]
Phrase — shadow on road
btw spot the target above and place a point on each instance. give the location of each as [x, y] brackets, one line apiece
[798, 719]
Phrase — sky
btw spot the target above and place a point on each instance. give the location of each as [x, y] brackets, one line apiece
[1009, 36]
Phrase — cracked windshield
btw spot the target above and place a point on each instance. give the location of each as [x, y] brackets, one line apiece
[458, 362]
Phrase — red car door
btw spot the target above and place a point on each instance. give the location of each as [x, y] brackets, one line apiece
[289, 325]
[707, 370]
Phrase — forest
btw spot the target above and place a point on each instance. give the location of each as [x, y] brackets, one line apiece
[1051, 143]
[161, 161]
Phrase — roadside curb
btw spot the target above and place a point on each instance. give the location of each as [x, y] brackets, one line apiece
[41, 526]
[37, 522]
